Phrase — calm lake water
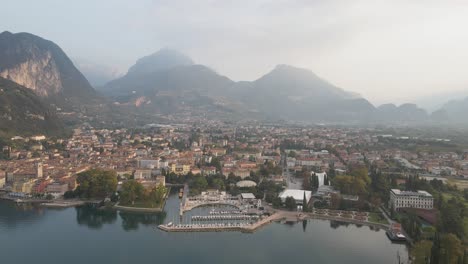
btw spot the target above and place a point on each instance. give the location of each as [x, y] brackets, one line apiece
[81, 235]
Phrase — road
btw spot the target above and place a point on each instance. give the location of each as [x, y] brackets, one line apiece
[291, 181]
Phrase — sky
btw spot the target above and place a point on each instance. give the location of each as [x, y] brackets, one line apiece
[387, 51]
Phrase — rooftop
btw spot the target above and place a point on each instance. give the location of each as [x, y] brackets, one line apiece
[410, 193]
[296, 194]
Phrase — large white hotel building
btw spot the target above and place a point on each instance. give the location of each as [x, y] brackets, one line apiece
[407, 199]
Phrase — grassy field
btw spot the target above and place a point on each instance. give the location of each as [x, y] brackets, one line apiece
[461, 184]
[377, 218]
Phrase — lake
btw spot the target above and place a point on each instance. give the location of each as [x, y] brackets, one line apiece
[31, 234]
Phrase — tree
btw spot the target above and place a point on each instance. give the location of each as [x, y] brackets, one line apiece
[451, 218]
[315, 182]
[435, 250]
[305, 205]
[451, 249]
[326, 181]
[350, 185]
[421, 252]
[69, 195]
[96, 183]
[198, 184]
[290, 203]
[130, 192]
[306, 184]
[276, 202]
[156, 195]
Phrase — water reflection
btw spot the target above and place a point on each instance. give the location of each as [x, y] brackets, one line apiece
[304, 225]
[131, 221]
[336, 224]
[97, 218]
[94, 218]
[13, 215]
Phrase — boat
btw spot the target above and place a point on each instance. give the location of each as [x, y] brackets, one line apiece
[396, 236]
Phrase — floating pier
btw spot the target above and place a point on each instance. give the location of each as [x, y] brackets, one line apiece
[224, 217]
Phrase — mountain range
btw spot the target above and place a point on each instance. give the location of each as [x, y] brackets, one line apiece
[166, 79]
[169, 82]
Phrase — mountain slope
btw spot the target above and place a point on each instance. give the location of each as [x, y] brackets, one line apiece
[23, 113]
[391, 113]
[41, 66]
[455, 110]
[293, 93]
[169, 82]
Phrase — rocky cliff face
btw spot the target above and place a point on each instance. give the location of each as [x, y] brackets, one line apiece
[41, 66]
[39, 73]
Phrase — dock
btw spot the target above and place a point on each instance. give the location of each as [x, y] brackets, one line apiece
[220, 227]
[224, 217]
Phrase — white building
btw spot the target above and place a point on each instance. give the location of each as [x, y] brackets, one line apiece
[407, 199]
[298, 195]
[148, 163]
[321, 177]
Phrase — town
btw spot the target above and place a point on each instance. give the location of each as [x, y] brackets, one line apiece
[403, 184]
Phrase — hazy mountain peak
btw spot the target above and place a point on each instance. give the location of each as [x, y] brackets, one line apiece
[160, 60]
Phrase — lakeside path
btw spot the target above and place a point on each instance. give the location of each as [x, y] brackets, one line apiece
[63, 204]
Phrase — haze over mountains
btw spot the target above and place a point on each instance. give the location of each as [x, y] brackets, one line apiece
[169, 82]
[286, 92]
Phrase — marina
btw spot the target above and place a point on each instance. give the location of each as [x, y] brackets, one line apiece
[166, 237]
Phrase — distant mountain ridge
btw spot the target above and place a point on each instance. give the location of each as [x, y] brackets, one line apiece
[455, 110]
[41, 66]
[300, 93]
[170, 82]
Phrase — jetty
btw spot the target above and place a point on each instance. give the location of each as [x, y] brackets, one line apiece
[219, 227]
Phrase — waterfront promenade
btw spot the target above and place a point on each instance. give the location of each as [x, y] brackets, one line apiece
[353, 217]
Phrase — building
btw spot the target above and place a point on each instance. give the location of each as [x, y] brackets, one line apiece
[148, 163]
[298, 195]
[39, 170]
[2, 180]
[24, 186]
[57, 187]
[407, 199]
[321, 177]
[246, 184]
[248, 196]
[180, 169]
[142, 174]
[38, 137]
